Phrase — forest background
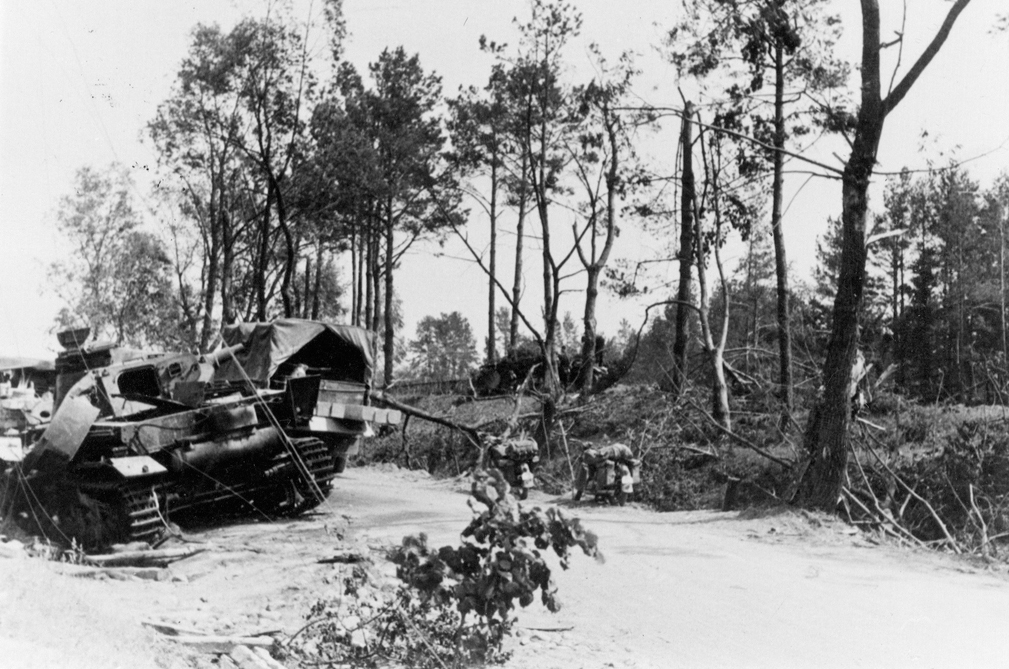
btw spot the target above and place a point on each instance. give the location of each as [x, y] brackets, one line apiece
[83, 86]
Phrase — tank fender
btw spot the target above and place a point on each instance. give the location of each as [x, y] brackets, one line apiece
[136, 466]
[68, 429]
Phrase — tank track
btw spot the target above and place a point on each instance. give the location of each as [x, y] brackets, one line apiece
[290, 494]
[142, 514]
[125, 511]
[319, 459]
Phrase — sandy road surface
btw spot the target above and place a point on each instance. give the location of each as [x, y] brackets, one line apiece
[696, 589]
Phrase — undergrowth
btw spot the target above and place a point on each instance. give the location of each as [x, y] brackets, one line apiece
[957, 497]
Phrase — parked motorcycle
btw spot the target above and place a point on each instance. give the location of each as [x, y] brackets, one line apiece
[609, 473]
[516, 458]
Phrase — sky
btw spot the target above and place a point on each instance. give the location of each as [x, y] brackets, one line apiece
[80, 79]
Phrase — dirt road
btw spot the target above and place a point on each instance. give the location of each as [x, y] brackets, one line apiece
[698, 589]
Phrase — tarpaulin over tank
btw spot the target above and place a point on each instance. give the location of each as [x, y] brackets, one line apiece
[343, 349]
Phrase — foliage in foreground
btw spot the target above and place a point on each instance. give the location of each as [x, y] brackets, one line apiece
[455, 605]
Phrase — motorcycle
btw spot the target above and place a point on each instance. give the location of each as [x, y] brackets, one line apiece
[609, 473]
[516, 458]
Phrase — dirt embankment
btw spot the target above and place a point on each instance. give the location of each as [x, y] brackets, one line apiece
[695, 589]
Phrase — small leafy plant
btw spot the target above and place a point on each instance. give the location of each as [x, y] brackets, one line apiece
[455, 604]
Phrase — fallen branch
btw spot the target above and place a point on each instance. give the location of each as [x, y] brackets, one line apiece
[870, 424]
[881, 516]
[561, 413]
[935, 516]
[881, 521]
[685, 447]
[472, 432]
[745, 442]
[984, 525]
[468, 430]
[741, 379]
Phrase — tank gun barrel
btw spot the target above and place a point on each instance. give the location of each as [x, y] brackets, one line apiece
[217, 357]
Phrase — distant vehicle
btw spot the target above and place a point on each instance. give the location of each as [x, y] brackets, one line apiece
[517, 459]
[506, 374]
[609, 473]
[25, 392]
[265, 423]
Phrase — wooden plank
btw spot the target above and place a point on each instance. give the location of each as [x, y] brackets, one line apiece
[220, 644]
[170, 629]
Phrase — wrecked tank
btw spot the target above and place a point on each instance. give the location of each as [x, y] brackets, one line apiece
[264, 423]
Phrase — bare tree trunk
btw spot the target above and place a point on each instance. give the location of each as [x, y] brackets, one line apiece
[492, 262]
[686, 254]
[780, 262]
[390, 334]
[316, 301]
[1001, 278]
[896, 281]
[513, 326]
[355, 278]
[369, 270]
[715, 351]
[291, 256]
[597, 260]
[376, 281]
[826, 438]
[210, 289]
[586, 374]
[228, 239]
[306, 302]
[263, 257]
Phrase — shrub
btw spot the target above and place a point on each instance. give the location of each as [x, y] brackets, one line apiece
[455, 604]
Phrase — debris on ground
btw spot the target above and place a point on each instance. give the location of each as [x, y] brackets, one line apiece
[161, 557]
[345, 556]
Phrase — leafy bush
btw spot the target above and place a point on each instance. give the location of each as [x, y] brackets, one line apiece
[456, 604]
